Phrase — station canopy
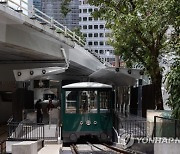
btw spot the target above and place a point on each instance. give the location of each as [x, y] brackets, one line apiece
[117, 76]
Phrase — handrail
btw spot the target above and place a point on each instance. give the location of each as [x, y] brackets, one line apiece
[25, 131]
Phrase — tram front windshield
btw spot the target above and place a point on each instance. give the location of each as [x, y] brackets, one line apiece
[87, 101]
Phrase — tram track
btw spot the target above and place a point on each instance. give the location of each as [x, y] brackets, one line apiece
[103, 148]
[74, 149]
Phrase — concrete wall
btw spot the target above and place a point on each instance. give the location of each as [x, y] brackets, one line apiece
[150, 119]
[25, 147]
[166, 148]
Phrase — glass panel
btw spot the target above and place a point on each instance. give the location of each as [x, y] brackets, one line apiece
[88, 102]
[71, 101]
[104, 101]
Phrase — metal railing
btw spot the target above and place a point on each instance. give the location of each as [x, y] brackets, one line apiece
[25, 131]
[135, 126]
[166, 127]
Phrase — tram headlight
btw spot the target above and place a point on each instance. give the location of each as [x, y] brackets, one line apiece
[88, 122]
[81, 123]
[95, 122]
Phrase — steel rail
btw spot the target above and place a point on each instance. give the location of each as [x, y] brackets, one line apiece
[92, 145]
[74, 149]
[123, 151]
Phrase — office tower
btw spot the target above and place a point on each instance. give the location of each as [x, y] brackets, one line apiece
[95, 32]
[53, 9]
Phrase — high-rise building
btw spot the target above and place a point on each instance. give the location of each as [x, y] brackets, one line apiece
[37, 4]
[95, 32]
[53, 9]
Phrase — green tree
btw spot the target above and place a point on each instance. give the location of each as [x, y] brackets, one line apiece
[173, 77]
[78, 32]
[65, 7]
[173, 86]
[139, 32]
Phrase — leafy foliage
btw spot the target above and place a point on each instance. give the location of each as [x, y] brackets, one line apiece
[173, 86]
[65, 7]
[139, 32]
[173, 77]
[78, 32]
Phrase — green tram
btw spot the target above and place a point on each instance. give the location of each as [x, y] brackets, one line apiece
[86, 109]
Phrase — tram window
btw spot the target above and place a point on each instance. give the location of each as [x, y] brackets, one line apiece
[104, 101]
[49, 96]
[88, 102]
[71, 101]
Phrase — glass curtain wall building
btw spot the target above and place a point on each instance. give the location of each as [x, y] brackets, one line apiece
[95, 32]
[37, 4]
[53, 9]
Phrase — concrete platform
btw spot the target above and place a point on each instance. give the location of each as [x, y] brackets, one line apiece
[50, 149]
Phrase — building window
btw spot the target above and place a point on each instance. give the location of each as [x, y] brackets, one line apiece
[85, 34]
[95, 34]
[84, 18]
[101, 43]
[84, 26]
[79, 10]
[101, 51]
[90, 27]
[95, 26]
[101, 35]
[80, 19]
[90, 35]
[95, 43]
[90, 18]
[96, 51]
[90, 10]
[101, 26]
[96, 9]
[84, 10]
[89, 43]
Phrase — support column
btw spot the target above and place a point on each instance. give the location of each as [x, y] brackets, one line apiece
[140, 97]
[117, 61]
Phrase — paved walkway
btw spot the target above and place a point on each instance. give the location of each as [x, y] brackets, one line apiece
[50, 149]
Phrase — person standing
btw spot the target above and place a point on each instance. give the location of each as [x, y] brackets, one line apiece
[38, 107]
[50, 106]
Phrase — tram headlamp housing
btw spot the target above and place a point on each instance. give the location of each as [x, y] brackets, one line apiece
[43, 71]
[19, 73]
[88, 122]
[31, 72]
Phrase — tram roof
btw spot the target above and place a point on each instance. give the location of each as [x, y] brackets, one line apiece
[87, 85]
